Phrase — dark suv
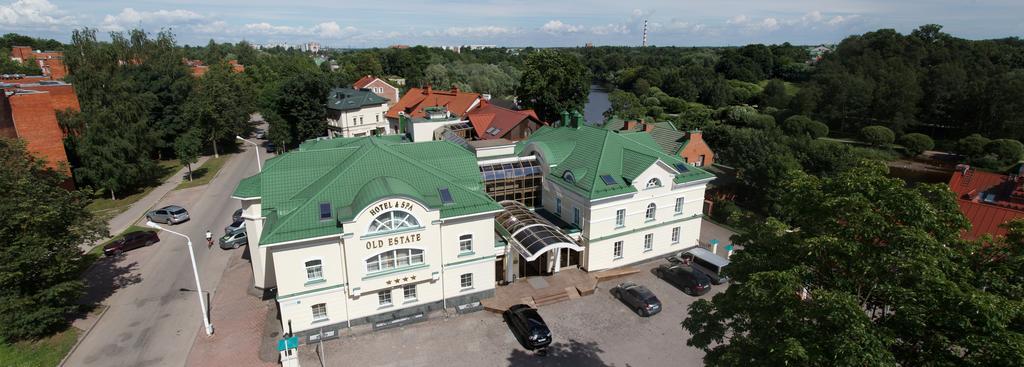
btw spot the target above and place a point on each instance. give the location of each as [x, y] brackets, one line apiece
[130, 241]
[527, 326]
[688, 279]
[638, 298]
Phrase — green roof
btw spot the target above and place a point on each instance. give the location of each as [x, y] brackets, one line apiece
[670, 140]
[352, 173]
[344, 99]
[590, 152]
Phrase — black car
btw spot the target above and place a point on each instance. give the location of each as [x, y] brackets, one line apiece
[130, 241]
[688, 279]
[237, 215]
[527, 326]
[640, 299]
[271, 148]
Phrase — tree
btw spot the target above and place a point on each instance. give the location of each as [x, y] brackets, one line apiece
[301, 105]
[187, 147]
[799, 125]
[877, 135]
[917, 143]
[1006, 151]
[220, 105]
[774, 94]
[553, 82]
[40, 262]
[625, 105]
[972, 146]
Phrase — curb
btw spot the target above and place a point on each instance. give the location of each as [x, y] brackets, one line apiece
[83, 336]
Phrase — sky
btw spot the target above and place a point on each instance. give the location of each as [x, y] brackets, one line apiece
[539, 23]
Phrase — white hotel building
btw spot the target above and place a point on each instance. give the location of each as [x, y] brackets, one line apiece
[382, 230]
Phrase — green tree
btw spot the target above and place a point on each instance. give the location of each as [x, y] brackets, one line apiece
[800, 125]
[553, 82]
[774, 94]
[917, 143]
[972, 146]
[188, 147]
[302, 106]
[625, 105]
[220, 105]
[1006, 151]
[877, 135]
[40, 262]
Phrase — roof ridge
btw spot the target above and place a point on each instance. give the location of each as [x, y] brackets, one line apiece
[443, 175]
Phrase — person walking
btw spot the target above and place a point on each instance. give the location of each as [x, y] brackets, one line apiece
[209, 239]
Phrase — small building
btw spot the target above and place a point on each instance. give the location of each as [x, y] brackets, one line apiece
[690, 146]
[437, 123]
[379, 87]
[51, 62]
[28, 111]
[491, 121]
[356, 112]
[988, 199]
[415, 102]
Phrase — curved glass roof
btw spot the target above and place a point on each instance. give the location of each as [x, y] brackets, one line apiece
[529, 234]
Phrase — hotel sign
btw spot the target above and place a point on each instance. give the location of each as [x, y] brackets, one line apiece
[388, 205]
[396, 240]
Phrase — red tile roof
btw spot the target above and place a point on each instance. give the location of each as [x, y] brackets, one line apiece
[489, 116]
[973, 187]
[363, 82]
[416, 99]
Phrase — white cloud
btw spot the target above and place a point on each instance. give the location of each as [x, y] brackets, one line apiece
[610, 29]
[129, 17]
[557, 27]
[473, 32]
[333, 30]
[810, 20]
[33, 13]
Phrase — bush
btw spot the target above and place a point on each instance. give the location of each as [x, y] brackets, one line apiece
[877, 135]
[972, 146]
[917, 143]
[800, 125]
[1006, 151]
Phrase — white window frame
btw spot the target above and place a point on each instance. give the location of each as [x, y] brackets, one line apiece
[466, 281]
[651, 213]
[321, 317]
[653, 183]
[675, 235]
[679, 205]
[620, 218]
[394, 258]
[319, 268]
[406, 290]
[617, 250]
[648, 242]
[466, 243]
[576, 216]
[407, 223]
[384, 298]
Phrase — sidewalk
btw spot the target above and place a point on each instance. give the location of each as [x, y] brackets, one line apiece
[122, 221]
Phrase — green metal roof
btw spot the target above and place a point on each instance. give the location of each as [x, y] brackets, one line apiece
[670, 140]
[352, 173]
[344, 99]
[590, 152]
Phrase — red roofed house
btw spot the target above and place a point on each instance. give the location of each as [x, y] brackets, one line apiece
[414, 102]
[29, 112]
[491, 121]
[52, 62]
[988, 199]
[379, 87]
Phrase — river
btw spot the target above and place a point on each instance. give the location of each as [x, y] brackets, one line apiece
[597, 103]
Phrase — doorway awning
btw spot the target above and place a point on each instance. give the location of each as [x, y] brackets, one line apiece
[530, 234]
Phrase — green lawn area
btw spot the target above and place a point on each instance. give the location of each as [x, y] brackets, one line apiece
[205, 173]
[46, 352]
[103, 206]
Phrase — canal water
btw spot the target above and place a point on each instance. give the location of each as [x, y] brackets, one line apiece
[597, 103]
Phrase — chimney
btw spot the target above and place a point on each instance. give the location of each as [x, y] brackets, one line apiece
[696, 135]
[629, 125]
[565, 119]
[577, 119]
[648, 126]
[455, 88]
[429, 89]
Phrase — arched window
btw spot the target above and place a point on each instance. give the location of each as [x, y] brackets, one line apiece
[651, 208]
[654, 182]
[568, 177]
[394, 259]
[392, 221]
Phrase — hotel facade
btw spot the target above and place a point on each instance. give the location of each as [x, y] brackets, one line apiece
[383, 230]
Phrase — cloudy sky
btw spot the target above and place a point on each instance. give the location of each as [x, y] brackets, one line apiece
[347, 23]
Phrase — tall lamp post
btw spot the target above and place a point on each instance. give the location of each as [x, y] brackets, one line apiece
[259, 163]
[199, 287]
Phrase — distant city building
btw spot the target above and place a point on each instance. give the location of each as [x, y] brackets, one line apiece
[28, 111]
[379, 87]
[199, 69]
[818, 52]
[51, 62]
[399, 46]
[988, 199]
[313, 47]
[356, 112]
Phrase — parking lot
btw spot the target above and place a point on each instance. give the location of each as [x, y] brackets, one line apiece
[595, 330]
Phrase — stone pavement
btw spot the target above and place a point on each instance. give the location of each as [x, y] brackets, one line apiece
[241, 322]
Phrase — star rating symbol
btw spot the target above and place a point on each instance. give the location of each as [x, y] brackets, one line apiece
[398, 280]
[389, 282]
[413, 277]
[406, 279]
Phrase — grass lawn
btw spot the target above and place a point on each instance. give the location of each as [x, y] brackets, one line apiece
[103, 206]
[791, 89]
[205, 173]
[46, 352]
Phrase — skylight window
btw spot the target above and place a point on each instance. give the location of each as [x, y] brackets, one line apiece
[493, 131]
[325, 211]
[608, 180]
[681, 167]
[568, 177]
[446, 196]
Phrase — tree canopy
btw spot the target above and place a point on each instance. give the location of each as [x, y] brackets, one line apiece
[553, 82]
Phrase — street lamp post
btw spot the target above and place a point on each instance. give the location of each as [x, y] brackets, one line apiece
[199, 287]
[259, 163]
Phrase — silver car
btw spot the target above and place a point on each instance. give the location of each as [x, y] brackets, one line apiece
[238, 224]
[171, 214]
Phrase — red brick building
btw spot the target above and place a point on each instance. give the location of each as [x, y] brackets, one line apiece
[379, 87]
[51, 62]
[988, 199]
[29, 112]
[199, 69]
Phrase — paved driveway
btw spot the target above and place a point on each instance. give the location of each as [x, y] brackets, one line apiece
[595, 330]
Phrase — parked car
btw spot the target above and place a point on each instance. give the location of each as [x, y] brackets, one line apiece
[237, 215]
[271, 148]
[640, 299]
[171, 214]
[233, 240]
[527, 326]
[237, 225]
[705, 261]
[259, 133]
[130, 241]
[688, 279]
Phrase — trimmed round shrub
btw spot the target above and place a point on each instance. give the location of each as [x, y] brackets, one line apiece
[972, 146]
[917, 143]
[1006, 151]
[877, 135]
[798, 125]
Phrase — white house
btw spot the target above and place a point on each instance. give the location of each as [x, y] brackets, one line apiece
[356, 112]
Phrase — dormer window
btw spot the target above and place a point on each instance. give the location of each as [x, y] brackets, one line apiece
[568, 177]
[653, 183]
[325, 211]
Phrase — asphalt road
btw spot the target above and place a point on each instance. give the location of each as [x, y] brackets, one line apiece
[154, 314]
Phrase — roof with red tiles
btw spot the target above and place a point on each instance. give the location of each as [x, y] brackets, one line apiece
[490, 116]
[416, 99]
[363, 82]
[987, 199]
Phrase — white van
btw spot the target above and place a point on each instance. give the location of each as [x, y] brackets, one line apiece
[705, 261]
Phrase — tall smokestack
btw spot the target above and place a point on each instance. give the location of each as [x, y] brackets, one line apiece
[645, 33]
